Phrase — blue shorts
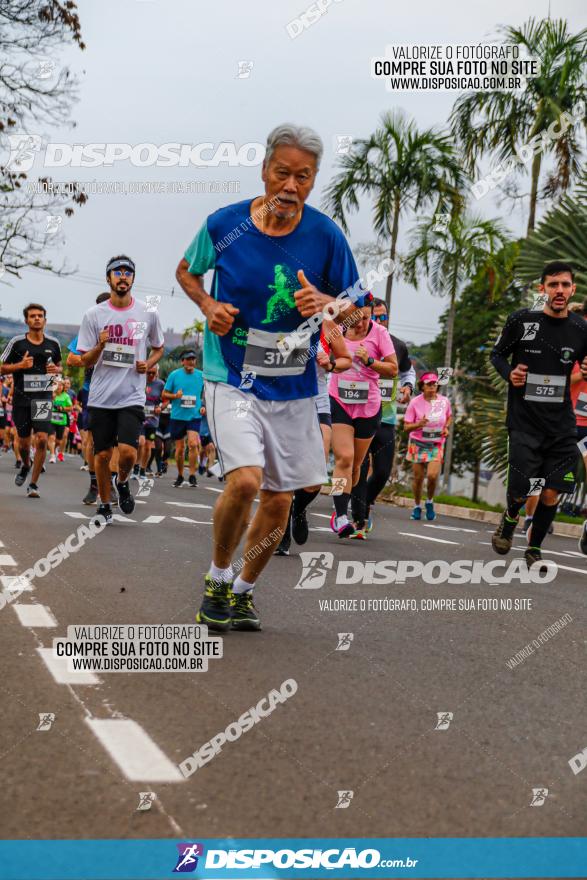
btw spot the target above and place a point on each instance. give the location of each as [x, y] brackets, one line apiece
[178, 428]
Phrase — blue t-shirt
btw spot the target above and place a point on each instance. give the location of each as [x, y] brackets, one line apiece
[257, 274]
[192, 385]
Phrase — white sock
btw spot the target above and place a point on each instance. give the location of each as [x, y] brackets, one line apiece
[418, 505]
[241, 586]
[430, 500]
[224, 575]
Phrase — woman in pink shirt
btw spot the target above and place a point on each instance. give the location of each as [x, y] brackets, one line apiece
[427, 419]
[355, 405]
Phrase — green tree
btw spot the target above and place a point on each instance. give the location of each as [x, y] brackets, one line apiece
[448, 257]
[498, 124]
[399, 168]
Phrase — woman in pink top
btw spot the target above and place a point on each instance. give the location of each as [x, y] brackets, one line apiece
[355, 405]
[427, 419]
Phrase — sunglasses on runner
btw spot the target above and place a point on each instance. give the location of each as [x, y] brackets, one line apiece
[126, 273]
[431, 383]
[380, 317]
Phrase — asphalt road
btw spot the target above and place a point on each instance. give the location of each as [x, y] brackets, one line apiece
[363, 719]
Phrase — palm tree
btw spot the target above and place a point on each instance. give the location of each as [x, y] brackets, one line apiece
[400, 168]
[449, 257]
[500, 123]
[194, 331]
[561, 235]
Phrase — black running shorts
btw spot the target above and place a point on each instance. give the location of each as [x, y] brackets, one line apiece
[364, 428]
[531, 456]
[33, 417]
[112, 426]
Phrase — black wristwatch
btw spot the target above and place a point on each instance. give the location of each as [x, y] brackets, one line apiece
[370, 361]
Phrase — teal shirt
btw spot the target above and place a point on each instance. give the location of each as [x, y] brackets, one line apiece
[192, 385]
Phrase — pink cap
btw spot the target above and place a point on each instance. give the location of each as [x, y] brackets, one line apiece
[429, 377]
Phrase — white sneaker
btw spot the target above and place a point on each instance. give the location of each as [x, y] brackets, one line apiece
[52, 460]
[134, 476]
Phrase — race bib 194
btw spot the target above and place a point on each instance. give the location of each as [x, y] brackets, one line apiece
[353, 392]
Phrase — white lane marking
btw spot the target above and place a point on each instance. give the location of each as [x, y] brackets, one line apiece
[119, 518]
[323, 515]
[212, 489]
[524, 546]
[319, 529]
[428, 538]
[153, 520]
[189, 504]
[34, 615]
[11, 584]
[75, 514]
[570, 568]
[57, 666]
[449, 528]
[186, 519]
[133, 750]
[7, 559]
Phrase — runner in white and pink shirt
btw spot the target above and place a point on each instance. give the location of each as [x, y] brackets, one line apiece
[355, 401]
[427, 419]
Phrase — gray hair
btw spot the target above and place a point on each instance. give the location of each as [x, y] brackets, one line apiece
[299, 136]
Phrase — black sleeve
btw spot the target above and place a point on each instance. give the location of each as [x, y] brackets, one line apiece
[504, 346]
[401, 350]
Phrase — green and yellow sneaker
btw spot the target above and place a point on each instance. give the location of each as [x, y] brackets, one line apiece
[244, 614]
[215, 608]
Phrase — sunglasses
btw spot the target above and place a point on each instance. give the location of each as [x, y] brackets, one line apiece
[120, 273]
[430, 383]
[380, 317]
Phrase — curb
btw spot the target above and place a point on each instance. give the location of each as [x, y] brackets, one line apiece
[564, 530]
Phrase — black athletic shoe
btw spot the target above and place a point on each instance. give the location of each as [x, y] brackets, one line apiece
[18, 463]
[532, 555]
[20, 478]
[179, 482]
[299, 526]
[103, 515]
[285, 543]
[192, 481]
[201, 470]
[125, 500]
[583, 539]
[91, 496]
[33, 491]
[215, 608]
[502, 538]
[244, 614]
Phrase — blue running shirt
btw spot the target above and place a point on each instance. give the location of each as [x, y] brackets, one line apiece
[257, 274]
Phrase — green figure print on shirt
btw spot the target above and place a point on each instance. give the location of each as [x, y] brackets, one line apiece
[282, 300]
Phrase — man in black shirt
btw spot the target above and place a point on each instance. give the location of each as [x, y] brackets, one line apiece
[33, 358]
[535, 354]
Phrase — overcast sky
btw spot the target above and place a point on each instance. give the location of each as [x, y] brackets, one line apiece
[160, 71]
